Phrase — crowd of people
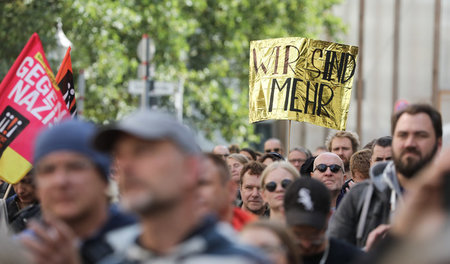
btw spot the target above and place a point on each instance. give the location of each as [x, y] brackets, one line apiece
[383, 203]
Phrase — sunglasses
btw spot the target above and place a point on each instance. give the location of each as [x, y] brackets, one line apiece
[333, 167]
[272, 186]
[272, 150]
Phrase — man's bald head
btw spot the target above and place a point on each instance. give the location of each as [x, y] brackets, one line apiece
[222, 151]
[273, 145]
[328, 156]
[329, 169]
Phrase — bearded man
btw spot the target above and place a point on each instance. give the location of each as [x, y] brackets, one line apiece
[416, 138]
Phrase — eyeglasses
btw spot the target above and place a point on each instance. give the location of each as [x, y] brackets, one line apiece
[333, 167]
[272, 150]
[272, 186]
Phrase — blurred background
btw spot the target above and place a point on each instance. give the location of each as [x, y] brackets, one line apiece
[201, 56]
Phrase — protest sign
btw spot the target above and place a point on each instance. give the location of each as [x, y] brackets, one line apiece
[29, 100]
[301, 79]
[64, 79]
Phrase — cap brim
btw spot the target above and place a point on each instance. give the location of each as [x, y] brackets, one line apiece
[146, 125]
[106, 139]
[314, 219]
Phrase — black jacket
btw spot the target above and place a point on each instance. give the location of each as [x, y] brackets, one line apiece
[19, 218]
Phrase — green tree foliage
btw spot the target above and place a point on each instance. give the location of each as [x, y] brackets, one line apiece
[203, 42]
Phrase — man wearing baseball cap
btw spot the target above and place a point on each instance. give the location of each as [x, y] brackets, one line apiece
[158, 164]
[307, 210]
[71, 183]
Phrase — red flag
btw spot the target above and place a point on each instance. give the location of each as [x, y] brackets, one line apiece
[30, 100]
[64, 79]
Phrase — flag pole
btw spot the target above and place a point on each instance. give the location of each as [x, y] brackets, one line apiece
[7, 191]
[289, 137]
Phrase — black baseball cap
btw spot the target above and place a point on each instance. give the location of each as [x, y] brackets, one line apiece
[307, 201]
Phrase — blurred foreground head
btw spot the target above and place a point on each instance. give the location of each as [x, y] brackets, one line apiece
[71, 176]
[274, 238]
[307, 208]
[156, 158]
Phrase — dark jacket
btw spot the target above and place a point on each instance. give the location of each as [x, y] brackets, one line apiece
[3, 188]
[19, 218]
[95, 248]
[367, 205]
[338, 252]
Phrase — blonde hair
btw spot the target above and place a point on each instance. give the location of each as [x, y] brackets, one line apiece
[353, 137]
[239, 158]
[360, 161]
[279, 165]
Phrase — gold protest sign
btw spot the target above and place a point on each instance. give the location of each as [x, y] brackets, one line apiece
[301, 79]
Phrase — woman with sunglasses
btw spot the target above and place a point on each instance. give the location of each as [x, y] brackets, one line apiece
[274, 181]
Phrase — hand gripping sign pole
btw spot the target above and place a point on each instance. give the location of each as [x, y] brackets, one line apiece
[289, 137]
[7, 191]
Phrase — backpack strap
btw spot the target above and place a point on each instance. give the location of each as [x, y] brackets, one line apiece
[365, 210]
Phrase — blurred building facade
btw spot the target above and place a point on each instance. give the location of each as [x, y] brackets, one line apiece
[415, 68]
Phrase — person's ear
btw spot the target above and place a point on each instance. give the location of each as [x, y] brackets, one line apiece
[345, 176]
[192, 170]
[439, 144]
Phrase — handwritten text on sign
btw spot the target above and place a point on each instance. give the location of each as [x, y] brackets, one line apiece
[301, 79]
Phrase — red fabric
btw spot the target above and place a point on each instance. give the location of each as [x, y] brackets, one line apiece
[241, 218]
[30, 100]
[64, 79]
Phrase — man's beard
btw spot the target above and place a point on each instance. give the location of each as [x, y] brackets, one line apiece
[346, 163]
[409, 168]
[147, 205]
[346, 166]
[258, 211]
